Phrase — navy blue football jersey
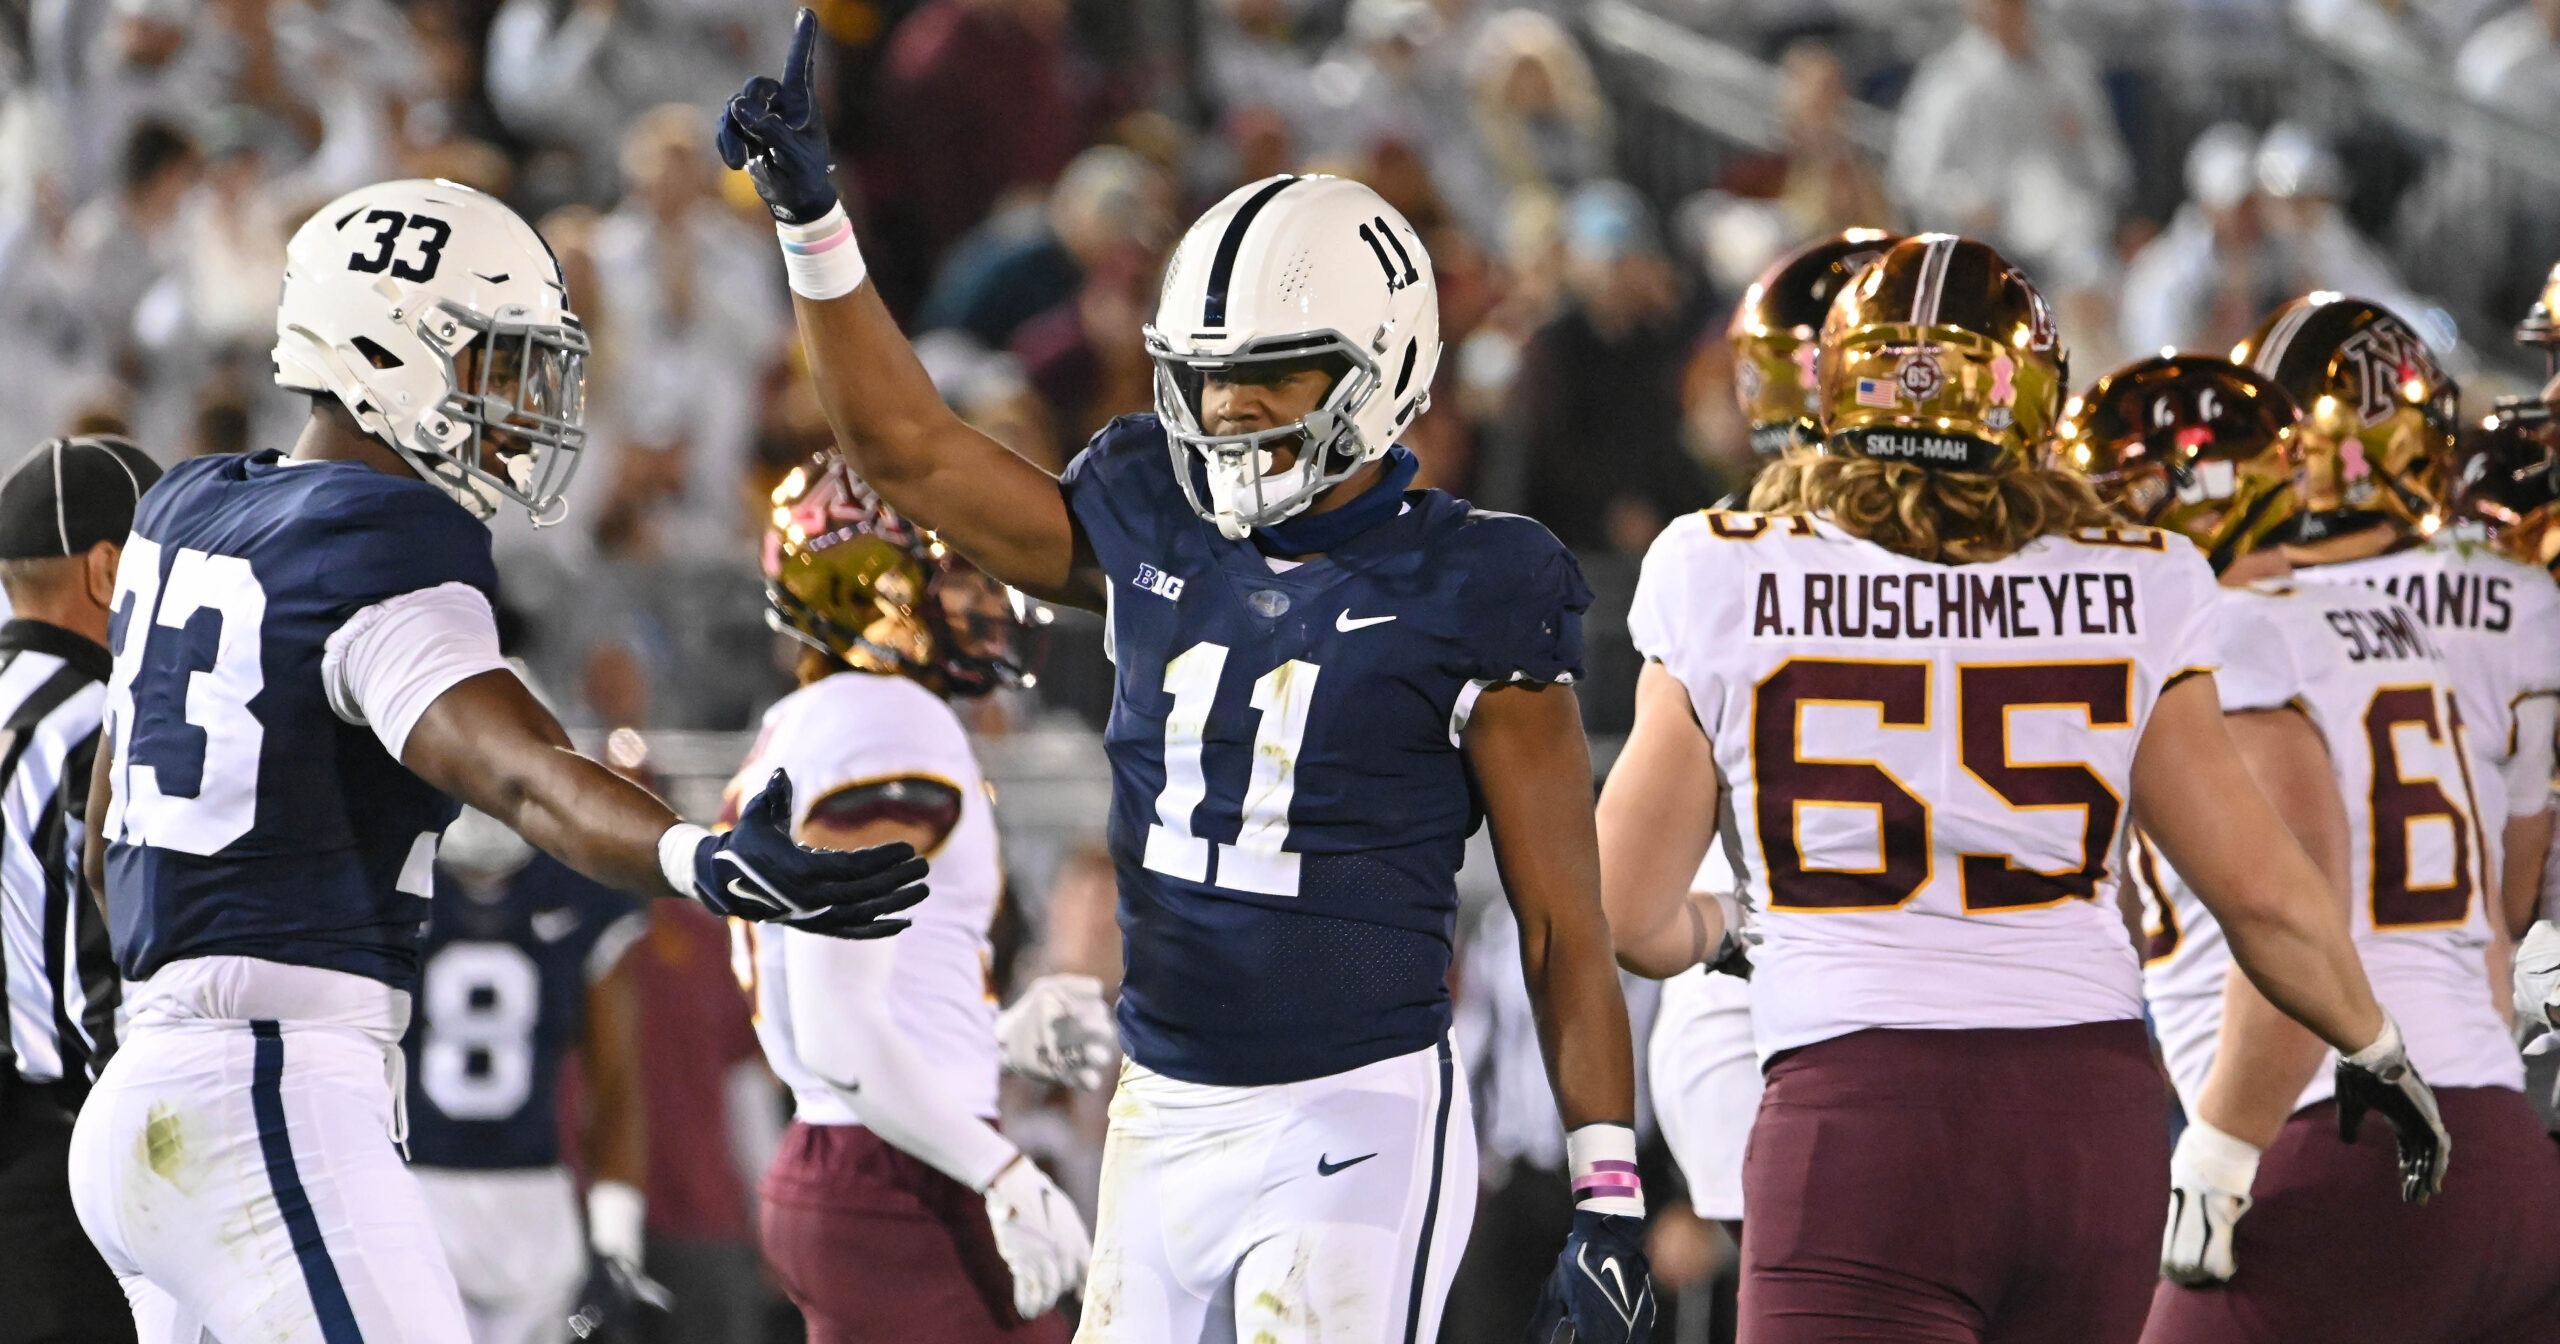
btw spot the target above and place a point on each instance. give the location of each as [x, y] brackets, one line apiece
[502, 1000]
[1289, 804]
[248, 818]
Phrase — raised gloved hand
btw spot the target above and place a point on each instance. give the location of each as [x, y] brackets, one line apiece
[1039, 1235]
[1059, 1032]
[2209, 1179]
[1602, 1288]
[756, 871]
[2380, 1078]
[773, 131]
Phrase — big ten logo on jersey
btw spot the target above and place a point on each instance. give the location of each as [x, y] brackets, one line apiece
[2471, 601]
[482, 1002]
[185, 769]
[1841, 832]
[1156, 581]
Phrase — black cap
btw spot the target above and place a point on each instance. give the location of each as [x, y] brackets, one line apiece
[70, 494]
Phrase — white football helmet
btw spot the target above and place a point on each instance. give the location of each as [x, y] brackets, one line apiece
[384, 290]
[1291, 268]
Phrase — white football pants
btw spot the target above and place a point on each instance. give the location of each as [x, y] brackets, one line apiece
[1330, 1210]
[1706, 1085]
[240, 1179]
[517, 1247]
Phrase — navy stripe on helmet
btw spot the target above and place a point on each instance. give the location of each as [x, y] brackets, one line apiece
[1214, 312]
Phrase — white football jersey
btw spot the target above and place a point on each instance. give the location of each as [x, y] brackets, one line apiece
[2368, 675]
[857, 728]
[2497, 621]
[1925, 765]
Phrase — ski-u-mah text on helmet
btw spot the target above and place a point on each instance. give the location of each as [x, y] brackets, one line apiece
[1293, 269]
[1941, 354]
[441, 321]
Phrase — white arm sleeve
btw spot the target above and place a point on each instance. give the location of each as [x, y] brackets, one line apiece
[2528, 772]
[392, 659]
[840, 994]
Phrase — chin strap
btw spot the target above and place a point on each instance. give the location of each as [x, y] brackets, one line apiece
[1310, 533]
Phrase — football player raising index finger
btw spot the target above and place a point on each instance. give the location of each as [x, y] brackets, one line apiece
[1925, 686]
[1322, 675]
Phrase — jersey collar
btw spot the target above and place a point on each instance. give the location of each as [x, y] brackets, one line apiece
[25, 633]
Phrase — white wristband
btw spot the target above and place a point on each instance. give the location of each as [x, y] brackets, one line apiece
[617, 1221]
[821, 259]
[2382, 1049]
[1601, 1160]
[2223, 1161]
[676, 849]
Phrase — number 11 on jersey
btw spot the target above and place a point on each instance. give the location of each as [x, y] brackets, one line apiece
[1256, 862]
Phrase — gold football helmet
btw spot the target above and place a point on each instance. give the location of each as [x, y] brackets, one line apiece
[1776, 334]
[849, 577]
[2506, 482]
[2378, 413]
[2191, 443]
[1941, 354]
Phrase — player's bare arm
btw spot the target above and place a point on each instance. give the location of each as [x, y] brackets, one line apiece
[1526, 749]
[489, 743]
[2527, 849]
[2194, 795]
[1657, 817]
[617, 1135]
[2265, 1058]
[994, 507]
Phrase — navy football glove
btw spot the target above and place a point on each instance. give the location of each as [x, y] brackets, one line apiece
[1602, 1290]
[2381, 1078]
[614, 1301]
[771, 129]
[756, 871]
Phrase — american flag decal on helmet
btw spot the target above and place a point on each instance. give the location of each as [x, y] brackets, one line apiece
[1878, 392]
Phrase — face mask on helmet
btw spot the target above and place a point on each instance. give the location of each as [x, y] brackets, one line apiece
[439, 319]
[1942, 355]
[2378, 413]
[2194, 444]
[1776, 337]
[2541, 324]
[1253, 478]
[851, 578]
[2506, 480]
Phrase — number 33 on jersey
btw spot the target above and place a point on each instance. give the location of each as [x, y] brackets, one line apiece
[1290, 802]
[254, 812]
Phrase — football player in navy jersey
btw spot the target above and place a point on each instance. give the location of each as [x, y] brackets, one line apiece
[522, 966]
[306, 678]
[1325, 680]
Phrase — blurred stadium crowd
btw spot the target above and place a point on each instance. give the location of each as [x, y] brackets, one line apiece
[1597, 181]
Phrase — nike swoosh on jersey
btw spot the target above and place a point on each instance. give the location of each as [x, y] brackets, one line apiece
[1343, 621]
[1324, 1168]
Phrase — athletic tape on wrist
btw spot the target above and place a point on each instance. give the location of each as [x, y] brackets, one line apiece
[821, 259]
[1602, 1162]
[676, 848]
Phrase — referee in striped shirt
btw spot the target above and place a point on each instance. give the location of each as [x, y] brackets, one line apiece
[64, 513]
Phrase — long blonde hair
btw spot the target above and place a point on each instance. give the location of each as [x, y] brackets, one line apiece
[1945, 517]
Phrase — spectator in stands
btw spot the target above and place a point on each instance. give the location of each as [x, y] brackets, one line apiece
[2204, 282]
[1088, 356]
[1110, 205]
[127, 246]
[2513, 63]
[2300, 183]
[1598, 400]
[1832, 182]
[2006, 135]
[1250, 57]
[697, 314]
[1380, 88]
[977, 98]
[1539, 119]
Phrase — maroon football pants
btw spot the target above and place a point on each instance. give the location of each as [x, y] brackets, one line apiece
[1957, 1187]
[2329, 1251]
[875, 1247]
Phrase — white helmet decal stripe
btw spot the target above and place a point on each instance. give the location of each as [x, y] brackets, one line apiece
[2280, 339]
[1933, 279]
[1213, 312]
